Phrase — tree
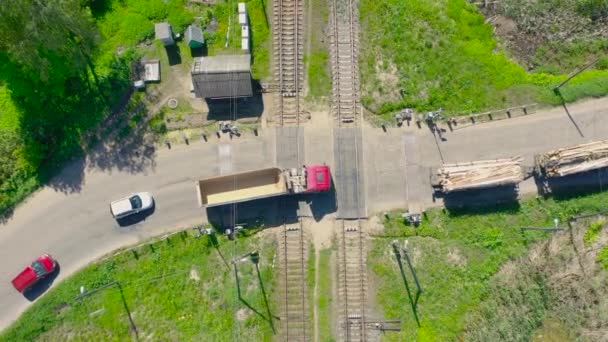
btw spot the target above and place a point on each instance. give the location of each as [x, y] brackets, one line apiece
[45, 34]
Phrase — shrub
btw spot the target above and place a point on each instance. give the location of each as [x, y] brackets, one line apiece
[593, 232]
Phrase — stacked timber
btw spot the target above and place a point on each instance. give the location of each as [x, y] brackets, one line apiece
[571, 160]
[479, 174]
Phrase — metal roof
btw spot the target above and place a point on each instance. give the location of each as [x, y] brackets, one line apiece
[222, 64]
[225, 76]
[152, 71]
[195, 34]
[162, 31]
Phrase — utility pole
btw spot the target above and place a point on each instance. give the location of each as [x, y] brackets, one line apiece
[572, 75]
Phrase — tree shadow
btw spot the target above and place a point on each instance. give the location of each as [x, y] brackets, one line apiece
[71, 177]
[174, 55]
[42, 285]
[127, 148]
[99, 8]
[502, 199]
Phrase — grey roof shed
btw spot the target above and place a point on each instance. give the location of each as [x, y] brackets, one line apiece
[194, 37]
[224, 76]
[162, 32]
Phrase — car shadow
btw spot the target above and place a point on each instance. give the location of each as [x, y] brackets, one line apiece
[42, 285]
[136, 218]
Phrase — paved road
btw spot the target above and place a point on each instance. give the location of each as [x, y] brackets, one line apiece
[76, 227]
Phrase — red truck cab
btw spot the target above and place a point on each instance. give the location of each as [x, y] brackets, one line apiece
[318, 178]
[37, 270]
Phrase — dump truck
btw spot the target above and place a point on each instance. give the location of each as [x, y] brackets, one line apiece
[571, 160]
[270, 182]
[477, 175]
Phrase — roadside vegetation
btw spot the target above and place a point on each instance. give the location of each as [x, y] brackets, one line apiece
[441, 53]
[316, 58]
[324, 299]
[223, 42]
[178, 288]
[65, 78]
[456, 255]
[557, 290]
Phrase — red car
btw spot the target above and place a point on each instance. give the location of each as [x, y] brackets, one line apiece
[39, 269]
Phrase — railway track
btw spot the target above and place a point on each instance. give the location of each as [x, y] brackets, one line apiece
[293, 255]
[352, 281]
[344, 49]
[288, 19]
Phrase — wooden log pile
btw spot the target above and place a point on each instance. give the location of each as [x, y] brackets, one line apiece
[479, 174]
[571, 160]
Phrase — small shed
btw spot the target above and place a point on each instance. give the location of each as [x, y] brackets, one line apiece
[194, 37]
[162, 32]
[222, 77]
[152, 71]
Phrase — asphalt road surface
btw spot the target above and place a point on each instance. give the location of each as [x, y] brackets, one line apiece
[70, 219]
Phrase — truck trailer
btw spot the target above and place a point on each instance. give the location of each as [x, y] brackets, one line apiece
[481, 174]
[270, 182]
[571, 160]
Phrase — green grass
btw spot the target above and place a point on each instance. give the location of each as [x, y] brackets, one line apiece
[317, 58]
[129, 22]
[260, 33]
[455, 255]
[310, 282]
[166, 302]
[593, 232]
[602, 258]
[325, 297]
[551, 287]
[441, 53]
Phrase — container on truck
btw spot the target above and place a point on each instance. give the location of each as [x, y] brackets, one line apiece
[270, 182]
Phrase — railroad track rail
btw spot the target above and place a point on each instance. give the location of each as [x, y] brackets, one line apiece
[352, 281]
[344, 49]
[288, 34]
[294, 248]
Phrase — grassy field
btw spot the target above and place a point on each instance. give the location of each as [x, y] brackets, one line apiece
[317, 53]
[441, 53]
[556, 292]
[176, 289]
[455, 255]
[17, 173]
[324, 299]
[221, 42]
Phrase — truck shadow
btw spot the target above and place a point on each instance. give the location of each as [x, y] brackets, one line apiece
[563, 188]
[266, 212]
[500, 199]
[323, 203]
[41, 286]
